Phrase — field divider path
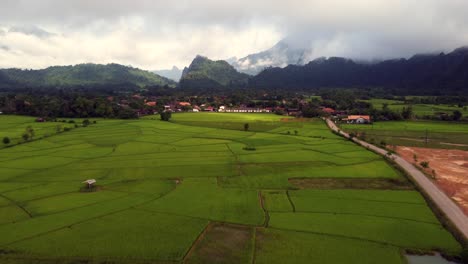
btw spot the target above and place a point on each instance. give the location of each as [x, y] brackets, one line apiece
[199, 238]
[17, 205]
[262, 204]
[453, 213]
[290, 201]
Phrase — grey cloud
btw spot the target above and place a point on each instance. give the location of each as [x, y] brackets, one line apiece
[4, 47]
[31, 30]
[361, 29]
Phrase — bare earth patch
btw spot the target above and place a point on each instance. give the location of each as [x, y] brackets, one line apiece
[223, 243]
[450, 167]
[351, 183]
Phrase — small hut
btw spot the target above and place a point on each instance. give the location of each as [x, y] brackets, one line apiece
[90, 183]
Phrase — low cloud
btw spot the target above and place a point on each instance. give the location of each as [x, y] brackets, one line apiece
[31, 30]
[155, 34]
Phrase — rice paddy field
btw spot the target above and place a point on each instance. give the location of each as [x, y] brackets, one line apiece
[419, 110]
[413, 133]
[201, 189]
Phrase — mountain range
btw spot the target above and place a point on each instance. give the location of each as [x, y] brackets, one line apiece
[435, 73]
[82, 75]
[425, 73]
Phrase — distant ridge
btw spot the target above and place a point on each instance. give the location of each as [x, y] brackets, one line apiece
[173, 74]
[81, 75]
[435, 73]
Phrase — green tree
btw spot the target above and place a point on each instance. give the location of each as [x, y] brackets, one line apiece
[86, 122]
[407, 112]
[166, 115]
[6, 140]
[246, 127]
[457, 115]
[25, 136]
[29, 132]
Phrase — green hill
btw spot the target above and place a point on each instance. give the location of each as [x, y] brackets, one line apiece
[81, 75]
[205, 73]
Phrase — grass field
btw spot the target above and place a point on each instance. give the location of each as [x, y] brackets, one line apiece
[413, 133]
[419, 110]
[200, 189]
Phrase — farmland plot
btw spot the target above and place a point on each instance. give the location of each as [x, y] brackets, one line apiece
[200, 189]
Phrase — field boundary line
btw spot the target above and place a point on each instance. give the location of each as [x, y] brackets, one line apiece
[265, 211]
[367, 200]
[356, 214]
[193, 217]
[254, 245]
[197, 240]
[17, 205]
[290, 201]
[341, 236]
[85, 220]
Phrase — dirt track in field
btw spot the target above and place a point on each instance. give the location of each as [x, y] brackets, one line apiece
[450, 166]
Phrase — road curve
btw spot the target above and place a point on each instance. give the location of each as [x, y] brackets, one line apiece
[443, 202]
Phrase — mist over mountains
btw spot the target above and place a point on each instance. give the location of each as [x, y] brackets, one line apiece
[173, 74]
[280, 55]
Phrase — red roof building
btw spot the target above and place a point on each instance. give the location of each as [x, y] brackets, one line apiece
[328, 110]
[184, 104]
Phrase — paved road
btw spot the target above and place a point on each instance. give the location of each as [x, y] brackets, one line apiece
[450, 209]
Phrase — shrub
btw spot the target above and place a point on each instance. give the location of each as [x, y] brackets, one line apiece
[66, 129]
[25, 136]
[424, 164]
[383, 143]
[6, 140]
[166, 115]
[250, 148]
[246, 127]
[464, 255]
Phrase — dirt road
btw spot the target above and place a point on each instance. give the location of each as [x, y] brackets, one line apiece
[443, 202]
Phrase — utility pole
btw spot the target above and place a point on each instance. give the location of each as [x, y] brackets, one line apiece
[426, 137]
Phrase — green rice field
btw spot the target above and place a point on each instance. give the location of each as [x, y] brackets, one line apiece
[202, 189]
[413, 133]
[419, 110]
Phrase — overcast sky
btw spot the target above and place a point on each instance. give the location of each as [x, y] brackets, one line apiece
[154, 34]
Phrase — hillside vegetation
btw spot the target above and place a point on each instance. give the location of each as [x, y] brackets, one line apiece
[205, 73]
[81, 75]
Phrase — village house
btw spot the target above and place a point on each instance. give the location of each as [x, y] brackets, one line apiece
[243, 110]
[208, 109]
[151, 103]
[292, 111]
[328, 110]
[358, 119]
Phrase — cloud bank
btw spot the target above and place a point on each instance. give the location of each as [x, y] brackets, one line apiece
[160, 34]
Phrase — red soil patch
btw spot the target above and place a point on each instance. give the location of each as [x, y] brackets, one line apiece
[450, 166]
